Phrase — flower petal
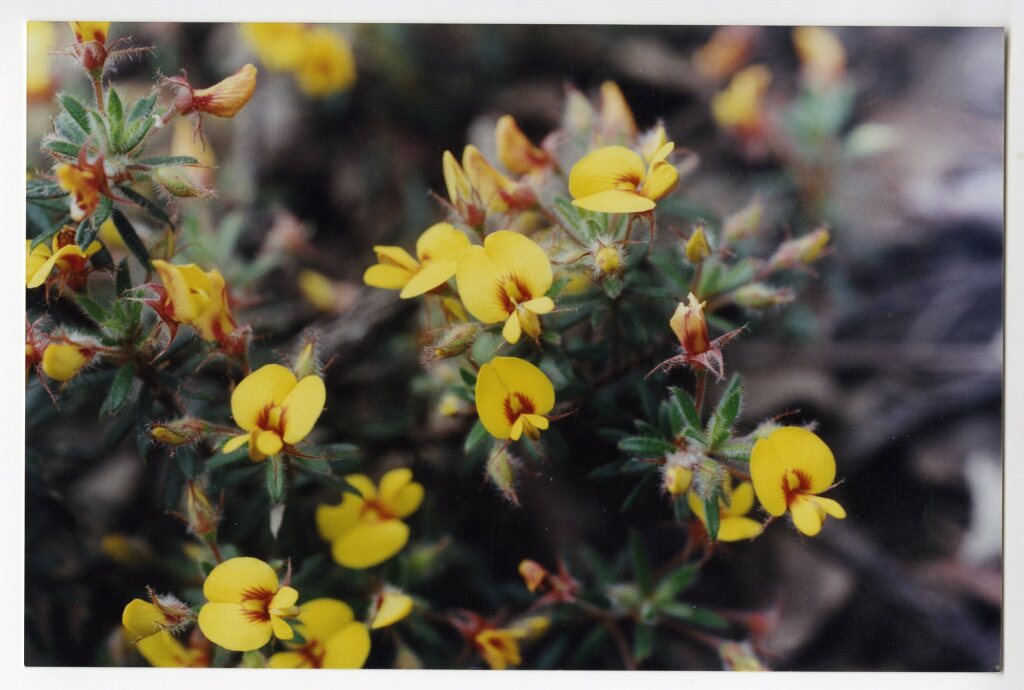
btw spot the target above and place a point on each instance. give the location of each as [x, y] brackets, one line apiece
[807, 515]
[319, 619]
[441, 242]
[491, 393]
[520, 376]
[538, 421]
[268, 443]
[141, 619]
[432, 275]
[387, 277]
[348, 648]
[540, 305]
[289, 660]
[477, 276]
[741, 500]
[235, 443]
[281, 629]
[43, 271]
[516, 432]
[163, 651]
[393, 607]
[616, 201]
[513, 329]
[392, 482]
[229, 581]
[331, 521]
[830, 507]
[302, 407]
[738, 528]
[268, 385]
[407, 500]
[368, 544]
[802, 451]
[396, 256]
[285, 598]
[231, 626]
[608, 168]
[661, 181]
[522, 259]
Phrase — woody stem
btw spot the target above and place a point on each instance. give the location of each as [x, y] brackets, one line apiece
[216, 551]
[97, 87]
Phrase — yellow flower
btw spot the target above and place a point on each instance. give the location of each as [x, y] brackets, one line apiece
[616, 116]
[367, 530]
[334, 639]
[84, 185]
[677, 479]
[533, 573]
[697, 247]
[280, 46]
[90, 31]
[275, 410]
[196, 297]
[498, 193]
[726, 51]
[69, 260]
[185, 142]
[246, 605]
[328, 65]
[741, 104]
[63, 361]
[608, 261]
[499, 647]
[690, 327]
[225, 98]
[613, 180]
[163, 651]
[40, 78]
[789, 468]
[389, 607]
[733, 524]
[318, 290]
[144, 618]
[512, 397]
[438, 250]
[822, 56]
[515, 151]
[505, 280]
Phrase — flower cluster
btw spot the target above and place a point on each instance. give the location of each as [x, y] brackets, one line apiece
[320, 59]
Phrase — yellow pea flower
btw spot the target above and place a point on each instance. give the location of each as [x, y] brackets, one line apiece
[275, 409]
[64, 255]
[41, 37]
[789, 468]
[317, 289]
[740, 106]
[145, 618]
[367, 530]
[246, 605]
[84, 183]
[279, 46]
[616, 116]
[438, 250]
[195, 297]
[389, 607]
[334, 639]
[513, 397]
[515, 151]
[725, 52]
[697, 247]
[505, 280]
[90, 31]
[822, 56]
[613, 180]
[328, 65]
[63, 361]
[162, 650]
[733, 524]
[499, 647]
[225, 98]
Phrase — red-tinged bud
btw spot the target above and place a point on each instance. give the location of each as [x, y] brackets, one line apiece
[690, 327]
[515, 151]
[801, 251]
[224, 99]
[762, 296]
[202, 516]
[533, 574]
[744, 223]
[179, 432]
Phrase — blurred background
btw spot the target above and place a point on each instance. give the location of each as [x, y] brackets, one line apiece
[896, 349]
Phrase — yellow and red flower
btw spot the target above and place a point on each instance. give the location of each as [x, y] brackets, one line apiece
[438, 251]
[733, 524]
[333, 638]
[699, 352]
[513, 398]
[614, 179]
[62, 253]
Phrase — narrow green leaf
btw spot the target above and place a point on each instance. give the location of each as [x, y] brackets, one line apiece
[696, 615]
[162, 161]
[275, 479]
[134, 134]
[671, 419]
[187, 461]
[475, 436]
[98, 128]
[142, 108]
[118, 392]
[468, 377]
[676, 582]
[641, 562]
[147, 205]
[131, 238]
[64, 148]
[64, 125]
[711, 513]
[124, 277]
[613, 287]
[638, 490]
[102, 212]
[728, 408]
[86, 233]
[587, 649]
[43, 189]
[687, 408]
[76, 110]
[114, 108]
[646, 447]
[643, 642]
[91, 308]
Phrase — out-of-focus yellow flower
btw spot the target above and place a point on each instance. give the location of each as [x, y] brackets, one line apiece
[83, 184]
[800, 251]
[195, 297]
[225, 98]
[279, 46]
[697, 247]
[499, 647]
[617, 121]
[651, 143]
[726, 51]
[506, 280]
[740, 106]
[389, 607]
[63, 361]
[733, 524]
[162, 650]
[789, 469]
[185, 142]
[512, 397]
[438, 250]
[450, 405]
[367, 530]
[145, 618]
[822, 56]
[129, 552]
[334, 639]
[275, 409]
[515, 151]
[41, 37]
[246, 605]
[497, 192]
[328, 65]
[317, 289]
[90, 31]
[677, 479]
[69, 260]
[613, 180]
[533, 573]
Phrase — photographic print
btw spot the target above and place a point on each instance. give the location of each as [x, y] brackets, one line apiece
[509, 346]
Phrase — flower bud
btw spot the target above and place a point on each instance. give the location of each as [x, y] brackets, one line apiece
[177, 182]
[202, 516]
[186, 431]
[690, 327]
[579, 114]
[453, 341]
[822, 57]
[224, 99]
[800, 251]
[389, 607]
[515, 151]
[651, 143]
[501, 471]
[608, 261]
[533, 574]
[307, 361]
[677, 479]
[163, 612]
[63, 361]
[697, 247]
[744, 223]
[762, 296]
[617, 120]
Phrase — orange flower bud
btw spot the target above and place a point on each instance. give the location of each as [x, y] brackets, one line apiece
[697, 247]
[515, 151]
[90, 31]
[223, 99]
[533, 574]
[690, 327]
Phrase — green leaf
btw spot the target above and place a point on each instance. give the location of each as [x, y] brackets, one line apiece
[143, 107]
[131, 238]
[739, 452]
[697, 615]
[475, 436]
[643, 642]
[468, 377]
[91, 308]
[65, 126]
[220, 459]
[86, 232]
[134, 134]
[720, 424]
[646, 447]
[676, 582]
[48, 235]
[114, 108]
[102, 212]
[64, 148]
[162, 161]
[118, 392]
[275, 479]
[613, 287]
[147, 205]
[641, 562]
[43, 189]
[587, 649]
[670, 418]
[98, 128]
[124, 277]
[711, 513]
[76, 110]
